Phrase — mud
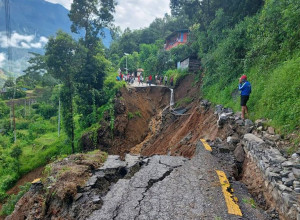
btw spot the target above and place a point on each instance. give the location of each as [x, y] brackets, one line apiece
[144, 125]
[134, 109]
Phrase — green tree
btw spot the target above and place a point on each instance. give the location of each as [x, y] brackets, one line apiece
[92, 16]
[33, 73]
[9, 83]
[89, 81]
[64, 58]
[132, 62]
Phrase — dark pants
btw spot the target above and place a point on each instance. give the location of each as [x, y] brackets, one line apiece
[244, 100]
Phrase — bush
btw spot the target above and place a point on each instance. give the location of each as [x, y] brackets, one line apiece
[4, 110]
[35, 105]
[5, 141]
[22, 124]
[9, 94]
[8, 181]
[177, 75]
[130, 115]
[9, 206]
[46, 110]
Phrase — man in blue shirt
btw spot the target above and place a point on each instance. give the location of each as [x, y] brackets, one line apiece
[245, 88]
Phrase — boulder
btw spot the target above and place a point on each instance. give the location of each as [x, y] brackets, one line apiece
[227, 110]
[248, 123]
[240, 122]
[223, 118]
[271, 130]
[239, 153]
[287, 164]
[224, 149]
[260, 128]
[288, 181]
[252, 138]
[218, 109]
[205, 103]
[260, 122]
[296, 172]
[271, 137]
[233, 140]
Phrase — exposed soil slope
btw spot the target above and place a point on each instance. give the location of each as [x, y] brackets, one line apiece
[144, 125]
[134, 109]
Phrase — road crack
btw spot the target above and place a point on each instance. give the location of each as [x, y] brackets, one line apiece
[167, 165]
[151, 182]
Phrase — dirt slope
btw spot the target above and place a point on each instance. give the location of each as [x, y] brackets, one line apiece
[134, 109]
[178, 134]
[144, 125]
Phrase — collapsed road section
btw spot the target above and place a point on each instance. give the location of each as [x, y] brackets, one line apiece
[169, 187]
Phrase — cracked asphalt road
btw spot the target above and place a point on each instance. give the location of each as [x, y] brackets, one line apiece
[172, 188]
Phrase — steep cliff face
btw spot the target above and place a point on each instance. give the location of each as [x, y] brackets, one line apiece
[134, 108]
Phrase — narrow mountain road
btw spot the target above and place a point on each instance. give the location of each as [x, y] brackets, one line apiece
[172, 188]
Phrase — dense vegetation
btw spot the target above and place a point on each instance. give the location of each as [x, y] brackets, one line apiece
[73, 80]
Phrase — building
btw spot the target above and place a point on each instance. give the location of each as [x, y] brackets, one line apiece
[192, 64]
[176, 38]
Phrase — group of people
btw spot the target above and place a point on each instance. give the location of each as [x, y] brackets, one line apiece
[129, 78]
[159, 80]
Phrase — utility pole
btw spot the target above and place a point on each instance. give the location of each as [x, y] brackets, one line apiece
[126, 54]
[25, 109]
[14, 121]
[9, 56]
[58, 126]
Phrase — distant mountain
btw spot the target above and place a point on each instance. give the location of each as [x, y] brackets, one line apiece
[32, 22]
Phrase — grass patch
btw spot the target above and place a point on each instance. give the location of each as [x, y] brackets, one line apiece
[183, 102]
[138, 114]
[249, 201]
[130, 115]
[43, 149]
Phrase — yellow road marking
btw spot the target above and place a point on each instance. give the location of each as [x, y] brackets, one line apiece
[206, 145]
[231, 201]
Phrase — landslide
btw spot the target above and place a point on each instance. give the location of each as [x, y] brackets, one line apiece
[134, 108]
[177, 134]
[144, 123]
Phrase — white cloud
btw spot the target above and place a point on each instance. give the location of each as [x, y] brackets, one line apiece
[137, 14]
[134, 14]
[2, 59]
[65, 3]
[22, 41]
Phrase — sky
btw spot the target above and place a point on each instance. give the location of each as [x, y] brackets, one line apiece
[134, 14]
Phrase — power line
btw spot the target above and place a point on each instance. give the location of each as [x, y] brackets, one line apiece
[9, 59]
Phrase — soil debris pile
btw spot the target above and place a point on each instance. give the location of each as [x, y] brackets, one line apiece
[55, 195]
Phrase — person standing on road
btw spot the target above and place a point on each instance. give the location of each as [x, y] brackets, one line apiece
[166, 80]
[150, 80]
[171, 81]
[245, 88]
